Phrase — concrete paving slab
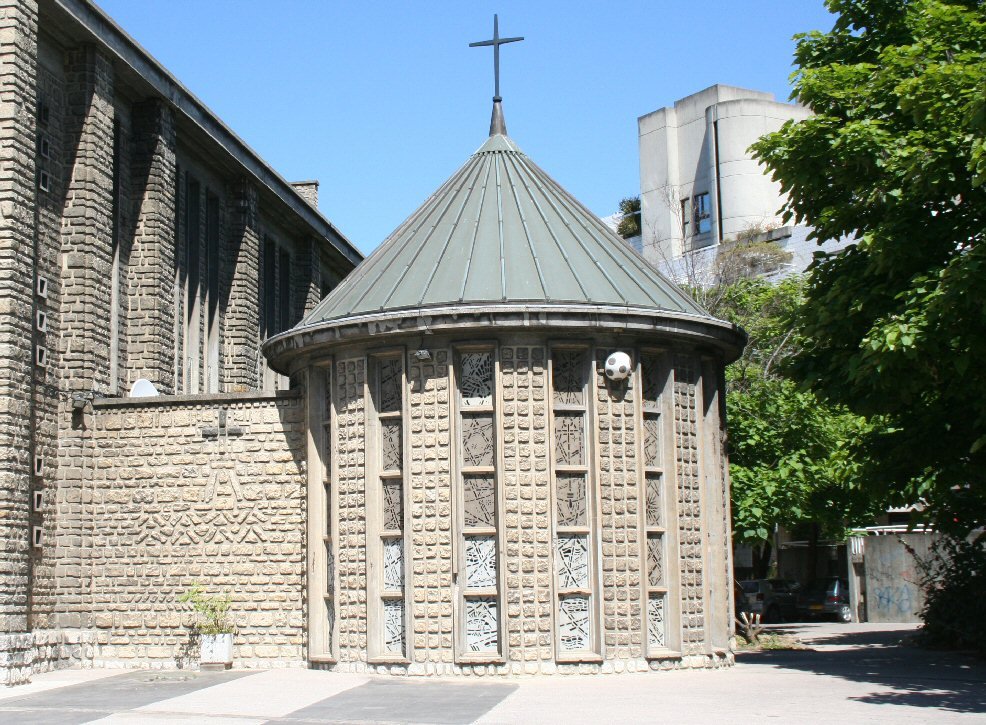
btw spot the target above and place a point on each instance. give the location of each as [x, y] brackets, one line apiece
[53, 680]
[443, 702]
[264, 695]
[86, 701]
[854, 673]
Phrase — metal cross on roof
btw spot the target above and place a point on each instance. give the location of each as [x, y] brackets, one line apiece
[496, 42]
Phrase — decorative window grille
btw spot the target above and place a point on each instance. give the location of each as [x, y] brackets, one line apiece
[572, 508]
[477, 566]
[653, 377]
[388, 398]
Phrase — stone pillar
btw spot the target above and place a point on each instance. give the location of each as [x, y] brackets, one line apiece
[87, 249]
[151, 274]
[241, 336]
[18, 108]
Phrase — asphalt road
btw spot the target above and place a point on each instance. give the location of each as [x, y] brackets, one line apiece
[852, 673]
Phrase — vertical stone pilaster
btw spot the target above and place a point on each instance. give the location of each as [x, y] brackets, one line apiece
[430, 495]
[527, 600]
[241, 362]
[87, 249]
[714, 459]
[688, 486]
[619, 497]
[150, 280]
[348, 398]
[18, 83]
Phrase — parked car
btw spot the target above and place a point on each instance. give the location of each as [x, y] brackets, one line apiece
[775, 600]
[827, 597]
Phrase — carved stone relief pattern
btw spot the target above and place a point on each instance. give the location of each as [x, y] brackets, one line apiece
[573, 623]
[350, 439]
[652, 441]
[527, 549]
[569, 439]
[390, 445]
[570, 499]
[393, 505]
[429, 502]
[481, 624]
[655, 560]
[689, 506]
[476, 379]
[654, 504]
[656, 632]
[393, 625]
[573, 562]
[480, 562]
[478, 443]
[620, 499]
[391, 387]
[393, 564]
[479, 501]
[568, 376]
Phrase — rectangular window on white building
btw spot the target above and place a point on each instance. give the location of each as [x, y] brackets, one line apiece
[703, 213]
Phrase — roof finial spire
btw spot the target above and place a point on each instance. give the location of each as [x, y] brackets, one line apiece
[497, 124]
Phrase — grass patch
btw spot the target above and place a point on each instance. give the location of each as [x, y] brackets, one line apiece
[770, 642]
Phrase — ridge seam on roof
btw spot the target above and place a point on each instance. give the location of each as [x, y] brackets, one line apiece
[475, 230]
[527, 233]
[424, 242]
[477, 168]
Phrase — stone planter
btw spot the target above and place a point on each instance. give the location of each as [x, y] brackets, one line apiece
[216, 651]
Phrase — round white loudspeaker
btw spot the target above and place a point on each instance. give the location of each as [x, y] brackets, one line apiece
[618, 366]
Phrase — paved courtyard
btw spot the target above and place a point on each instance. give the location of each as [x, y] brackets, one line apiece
[854, 673]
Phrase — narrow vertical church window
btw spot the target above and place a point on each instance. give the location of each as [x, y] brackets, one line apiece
[285, 317]
[477, 564]
[575, 635]
[193, 296]
[653, 377]
[388, 397]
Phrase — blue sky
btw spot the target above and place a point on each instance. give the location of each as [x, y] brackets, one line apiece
[381, 102]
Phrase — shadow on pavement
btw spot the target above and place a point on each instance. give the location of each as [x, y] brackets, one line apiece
[918, 677]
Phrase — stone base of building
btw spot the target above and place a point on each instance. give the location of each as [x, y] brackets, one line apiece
[24, 654]
[516, 669]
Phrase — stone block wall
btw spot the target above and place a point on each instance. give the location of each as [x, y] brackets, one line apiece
[18, 70]
[177, 498]
[528, 566]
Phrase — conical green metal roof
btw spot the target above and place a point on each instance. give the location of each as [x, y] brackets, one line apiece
[500, 231]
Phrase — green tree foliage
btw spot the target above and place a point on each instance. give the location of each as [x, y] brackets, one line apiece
[629, 225]
[896, 326]
[791, 456]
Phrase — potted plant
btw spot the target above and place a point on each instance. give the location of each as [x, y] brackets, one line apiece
[214, 626]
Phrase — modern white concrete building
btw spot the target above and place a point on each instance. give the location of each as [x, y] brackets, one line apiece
[699, 185]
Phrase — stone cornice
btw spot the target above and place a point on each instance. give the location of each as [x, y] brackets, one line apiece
[284, 351]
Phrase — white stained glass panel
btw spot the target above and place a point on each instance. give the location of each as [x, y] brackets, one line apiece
[393, 564]
[476, 379]
[481, 624]
[655, 621]
[393, 625]
[480, 562]
[573, 562]
[573, 623]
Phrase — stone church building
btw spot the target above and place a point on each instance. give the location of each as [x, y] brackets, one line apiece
[497, 446]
